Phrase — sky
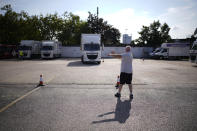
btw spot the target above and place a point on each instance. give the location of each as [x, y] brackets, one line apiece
[126, 15]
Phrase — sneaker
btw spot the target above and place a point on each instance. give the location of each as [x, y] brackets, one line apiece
[117, 86]
[117, 95]
[131, 96]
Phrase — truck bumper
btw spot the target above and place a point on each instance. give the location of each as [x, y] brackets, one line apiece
[26, 55]
[91, 58]
[47, 55]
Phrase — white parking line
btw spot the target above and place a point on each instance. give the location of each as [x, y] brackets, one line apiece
[22, 97]
[18, 99]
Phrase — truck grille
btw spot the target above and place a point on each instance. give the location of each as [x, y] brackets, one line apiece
[46, 54]
[92, 56]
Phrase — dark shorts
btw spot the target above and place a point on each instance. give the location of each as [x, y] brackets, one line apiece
[125, 78]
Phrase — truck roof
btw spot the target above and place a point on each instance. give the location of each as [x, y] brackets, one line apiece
[26, 42]
[176, 44]
[90, 38]
[50, 42]
[91, 34]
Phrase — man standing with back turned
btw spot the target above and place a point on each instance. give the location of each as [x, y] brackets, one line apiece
[126, 70]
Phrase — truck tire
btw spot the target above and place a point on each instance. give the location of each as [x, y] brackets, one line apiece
[99, 62]
[82, 60]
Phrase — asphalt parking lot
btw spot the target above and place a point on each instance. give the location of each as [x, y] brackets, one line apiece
[81, 97]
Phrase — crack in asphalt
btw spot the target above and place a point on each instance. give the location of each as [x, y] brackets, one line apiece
[35, 84]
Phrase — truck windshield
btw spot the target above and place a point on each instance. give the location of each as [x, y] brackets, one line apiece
[47, 48]
[164, 50]
[157, 50]
[91, 47]
[25, 47]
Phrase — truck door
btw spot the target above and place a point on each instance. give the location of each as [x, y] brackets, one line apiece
[165, 52]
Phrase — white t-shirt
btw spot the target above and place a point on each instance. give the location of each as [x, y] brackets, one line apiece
[126, 63]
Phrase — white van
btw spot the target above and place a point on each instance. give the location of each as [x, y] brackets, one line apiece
[173, 51]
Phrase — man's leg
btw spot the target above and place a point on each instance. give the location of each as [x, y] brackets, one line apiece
[120, 88]
[118, 94]
[131, 90]
[122, 81]
[129, 82]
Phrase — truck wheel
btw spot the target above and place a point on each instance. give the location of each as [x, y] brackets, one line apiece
[99, 62]
[82, 60]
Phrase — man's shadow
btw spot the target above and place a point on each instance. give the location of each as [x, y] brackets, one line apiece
[122, 112]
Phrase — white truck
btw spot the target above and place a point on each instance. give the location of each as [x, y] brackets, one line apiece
[30, 48]
[91, 48]
[51, 49]
[193, 53]
[172, 51]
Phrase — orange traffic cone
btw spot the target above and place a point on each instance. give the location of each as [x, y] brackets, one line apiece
[41, 83]
[118, 82]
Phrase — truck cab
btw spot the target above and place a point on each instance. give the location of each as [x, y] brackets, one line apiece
[193, 53]
[50, 49]
[26, 51]
[91, 48]
[162, 53]
[30, 48]
[152, 54]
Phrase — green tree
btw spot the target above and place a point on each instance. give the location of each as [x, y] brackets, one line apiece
[9, 26]
[15, 27]
[18, 26]
[29, 27]
[109, 34]
[71, 29]
[50, 26]
[153, 35]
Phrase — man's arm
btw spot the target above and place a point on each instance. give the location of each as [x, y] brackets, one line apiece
[115, 55]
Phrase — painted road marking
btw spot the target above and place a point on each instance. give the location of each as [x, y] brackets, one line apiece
[22, 97]
[50, 80]
[18, 99]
